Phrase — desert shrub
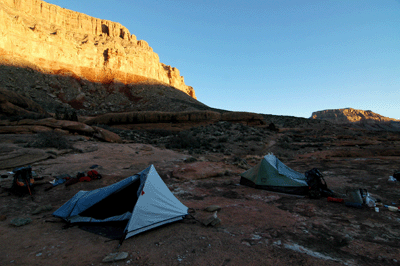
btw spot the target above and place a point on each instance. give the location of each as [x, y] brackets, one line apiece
[66, 114]
[50, 139]
[20, 141]
[219, 146]
[223, 139]
[239, 139]
[160, 132]
[285, 145]
[253, 138]
[184, 140]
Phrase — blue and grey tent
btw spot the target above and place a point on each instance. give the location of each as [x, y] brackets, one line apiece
[271, 174]
[142, 200]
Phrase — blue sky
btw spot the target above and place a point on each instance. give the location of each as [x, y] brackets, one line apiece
[281, 57]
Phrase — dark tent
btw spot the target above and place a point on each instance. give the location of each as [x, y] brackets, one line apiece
[271, 174]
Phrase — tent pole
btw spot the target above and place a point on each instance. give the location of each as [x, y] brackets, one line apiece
[122, 239]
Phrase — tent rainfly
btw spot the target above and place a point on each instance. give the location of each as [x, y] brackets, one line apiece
[142, 200]
[271, 174]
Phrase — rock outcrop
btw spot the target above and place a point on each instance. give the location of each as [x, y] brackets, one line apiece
[13, 104]
[347, 115]
[28, 126]
[176, 117]
[55, 40]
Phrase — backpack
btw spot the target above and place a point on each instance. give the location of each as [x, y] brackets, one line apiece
[23, 180]
[397, 175]
[317, 186]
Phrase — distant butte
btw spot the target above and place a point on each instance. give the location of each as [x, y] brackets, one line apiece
[346, 115]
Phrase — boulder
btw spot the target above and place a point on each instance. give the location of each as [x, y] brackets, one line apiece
[106, 135]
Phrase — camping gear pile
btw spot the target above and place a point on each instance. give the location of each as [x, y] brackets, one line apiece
[23, 180]
[273, 175]
[359, 198]
[80, 177]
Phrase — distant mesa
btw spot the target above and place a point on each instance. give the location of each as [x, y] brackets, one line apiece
[351, 115]
[54, 40]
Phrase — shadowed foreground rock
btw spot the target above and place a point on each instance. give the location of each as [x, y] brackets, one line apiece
[14, 104]
[49, 124]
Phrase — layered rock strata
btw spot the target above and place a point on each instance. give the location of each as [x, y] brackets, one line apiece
[55, 40]
[176, 117]
[350, 115]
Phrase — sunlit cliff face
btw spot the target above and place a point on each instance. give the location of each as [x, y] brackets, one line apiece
[55, 40]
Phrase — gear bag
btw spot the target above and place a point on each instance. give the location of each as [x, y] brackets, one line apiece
[23, 180]
[317, 186]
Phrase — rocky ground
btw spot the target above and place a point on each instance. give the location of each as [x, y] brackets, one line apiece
[57, 93]
[201, 165]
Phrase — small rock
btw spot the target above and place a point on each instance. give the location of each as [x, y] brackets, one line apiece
[115, 256]
[278, 242]
[190, 160]
[212, 208]
[146, 148]
[20, 221]
[255, 237]
[213, 220]
[44, 208]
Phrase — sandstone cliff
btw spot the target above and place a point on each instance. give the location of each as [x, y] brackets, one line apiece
[55, 40]
[350, 115]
